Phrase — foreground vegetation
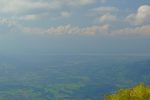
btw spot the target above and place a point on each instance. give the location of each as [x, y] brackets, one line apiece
[139, 92]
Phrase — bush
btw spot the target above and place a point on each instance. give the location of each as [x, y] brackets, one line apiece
[139, 92]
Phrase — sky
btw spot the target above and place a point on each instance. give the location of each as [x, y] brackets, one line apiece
[74, 26]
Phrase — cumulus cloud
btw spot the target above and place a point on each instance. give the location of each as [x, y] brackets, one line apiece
[107, 18]
[141, 16]
[90, 30]
[69, 29]
[104, 14]
[104, 17]
[140, 31]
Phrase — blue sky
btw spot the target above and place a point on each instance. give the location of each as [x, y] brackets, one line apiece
[74, 26]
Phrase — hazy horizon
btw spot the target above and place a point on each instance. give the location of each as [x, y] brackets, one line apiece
[75, 27]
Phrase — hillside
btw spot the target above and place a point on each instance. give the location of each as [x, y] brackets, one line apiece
[139, 92]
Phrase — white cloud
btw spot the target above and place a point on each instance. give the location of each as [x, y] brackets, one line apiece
[21, 6]
[31, 17]
[65, 14]
[90, 30]
[78, 2]
[107, 18]
[141, 16]
[8, 25]
[75, 30]
[8, 22]
[105, 10]
[140, 31]
[104, 14]
[68, 29]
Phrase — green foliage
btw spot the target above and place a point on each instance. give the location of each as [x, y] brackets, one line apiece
[139, 92]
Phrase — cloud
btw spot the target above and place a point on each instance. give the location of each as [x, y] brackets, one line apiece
[68, 30]
[8, 22]
[31, 11]
[8, 25]
[24, 6]
[12, 26]
[65, 14]
[105, 10]
[141, 16]
[107, 18]
[136, 31]
[104, 14]
[78, 2]
[31, 17]
[90, 30]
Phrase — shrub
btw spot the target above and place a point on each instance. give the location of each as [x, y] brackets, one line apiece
[139, 92]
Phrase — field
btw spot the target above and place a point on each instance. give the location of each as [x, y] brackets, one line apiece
[70, 77]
